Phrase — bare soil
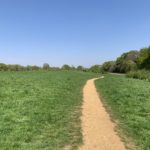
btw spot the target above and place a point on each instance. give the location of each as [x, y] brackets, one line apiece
[97, 128]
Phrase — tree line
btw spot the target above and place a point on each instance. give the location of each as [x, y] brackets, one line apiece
[47, 67]
[129, 61]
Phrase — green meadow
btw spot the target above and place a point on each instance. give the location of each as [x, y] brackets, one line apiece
[41, 110]
[128, 100]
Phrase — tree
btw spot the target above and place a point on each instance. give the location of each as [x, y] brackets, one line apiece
[17, 67]
[34, 68]
[46, 66]
[95, 69]
[128, 66]
[3, 67]
[80, 68]
[66, 67]
[73, 67]
[109, 66]
[127, 61]
[144, 58]
[29, 68]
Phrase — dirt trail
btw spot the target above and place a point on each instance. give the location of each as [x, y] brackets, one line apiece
[97, 127]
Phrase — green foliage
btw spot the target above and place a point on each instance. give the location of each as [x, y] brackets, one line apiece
[109, 66]
[140, 74]
[127, 62]
[130, 61]
[35, 68]
[144, 58]
[73, 67]
[40, 110]
[66, 67]
[128, 66]
[95, 69]
[129, 101]
[4, 67]
[80, 68]
[46, 66]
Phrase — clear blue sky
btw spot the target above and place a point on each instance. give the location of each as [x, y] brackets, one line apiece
[75, 32]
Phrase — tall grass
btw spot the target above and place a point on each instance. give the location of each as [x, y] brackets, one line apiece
[140, 74]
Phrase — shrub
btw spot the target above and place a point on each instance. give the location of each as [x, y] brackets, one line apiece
[144, 59]
[95, 69]
[140, 74]
[66, 67]
[80, 68]
[127, 61]
[109, 66]
[46, 66]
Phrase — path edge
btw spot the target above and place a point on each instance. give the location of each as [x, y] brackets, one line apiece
[128, 142]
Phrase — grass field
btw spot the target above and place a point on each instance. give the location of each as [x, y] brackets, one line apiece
[129, 101]
[40, 110]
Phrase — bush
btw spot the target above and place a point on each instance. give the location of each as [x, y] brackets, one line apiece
[66, 67]
[80, 68]
[128, 66]
[46, 66]
[109, 66]
[127, 61]
[140, 74]
[144, 59]
[95, 69]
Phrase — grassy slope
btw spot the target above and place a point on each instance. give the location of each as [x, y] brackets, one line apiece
[129, 101]
[40, 110]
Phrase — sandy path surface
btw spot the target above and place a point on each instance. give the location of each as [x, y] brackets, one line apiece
[97, 127]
